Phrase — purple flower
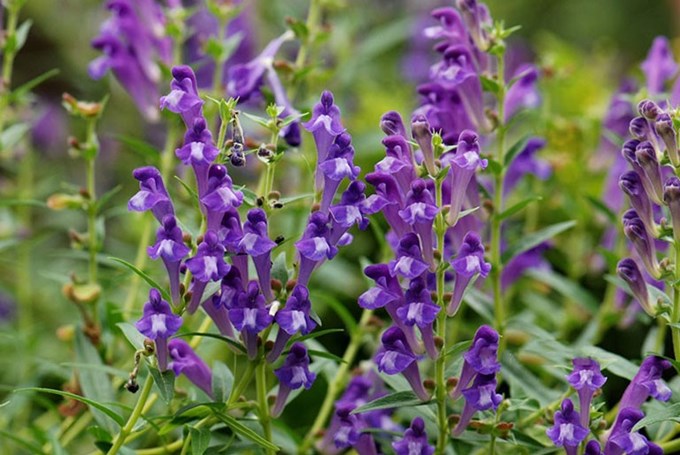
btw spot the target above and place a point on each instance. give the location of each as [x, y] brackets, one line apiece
[414, 441]
[468, 265]
[186, 362]
[464, 162]
[477, 20]
[392, 124]
[623, 440]
[481, 396]
[152, 194]
[531, 259]
[481, 358]
[523, 93]
[526, 163]
[219, 196]
[337, 166]
[207, 265]
[450, 26]
[643, 243]
[388, 199]
[325, 126]
[645, 155]
[313, 246]
[293, 374]
[409, 262]
[423, 136]
[665, 129]
[293, 318]
[567, 431]
[171, 249]
[647, 382]
[183, 98]
[399, 161]
[350, 210]
[628, 270]
[659, 65]
[395, 356]
[159, 323]
[199, 151]
[257, 244]
[671, 196]
[586, 378]
[593, 448]
[250, 316]
[420, 212]
[230, 233]
[419, 310]
[631, 184]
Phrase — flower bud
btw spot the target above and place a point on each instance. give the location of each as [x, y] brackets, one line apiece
[664, 128]
[649, 109]
[420, 129]
[629, 272]
[671, 196]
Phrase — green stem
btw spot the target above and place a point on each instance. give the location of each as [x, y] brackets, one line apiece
[675, 315]
[92, 221]
[337, 384]
[237, 391]
[132, 420]
[312, 24]
[671, 446]
[263, 405]
[8, 63]
[440, 363]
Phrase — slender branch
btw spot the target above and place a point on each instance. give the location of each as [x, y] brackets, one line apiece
[675, 315]
[440, 363]
[263, 405]
[132, 420]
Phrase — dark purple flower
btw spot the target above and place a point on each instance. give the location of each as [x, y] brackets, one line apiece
[313, 247]
[207, 265]
[409, 262]
[337, 166]
[419, 310]
[414, 441]
[257, 244]
[388, 199]
[468, 265]
[293, 374]
[325, 126]
[348, 432]
[646, 157]
[586, 378]
[628, 270]
[399, 161]
[186, 362]
[395, 356]
[159, 323]
[183, 98]
[481, 396]
[230, 233]
[649, 109]
[593, 448]
[526, 163]
[450, 26]
[523, 93]
[567, 431]
[636, 232]
[647, 382]
[422, 133]
[350, 210]
[250, 316]
[481, 358]
[199, 152]
[666, 130]
[171, 249]
[219, 196]
[152, 194]
[292, 318]
[659, 65]
[631, 184]
[219, 313]
[477, 20]
[420, 212]
[392, 124]
[671, 196]
[623, 441]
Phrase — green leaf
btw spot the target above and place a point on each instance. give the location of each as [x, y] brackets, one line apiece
[99, 406]
[222, 381]
[165, 382]
[200, 440]
[318, 333]
[135, 338]
[30, 446]
[402, 399]
[490, 85]
[21, 202]
[143, 275]
[339, 309]
[22, 35]
[535, 238]
[244, 431]
[671, 413]
[325, 355]
[95, 384]
[458, 348]
[520, 377]
[279, 268]
[602, 208]
[140, 147]
[215, 336]
[518, 207]
[26, 87]
[189, 190]
[12, 135]
[106, 197]
[566, 287]
[299, 197]
[515, 149]
[493, 166]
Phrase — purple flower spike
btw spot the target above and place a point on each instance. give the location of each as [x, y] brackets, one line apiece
[526, 163]
[349, 431]
[524, 92]
[409, 262]
[464, 162]
[659, 65]
[199, 151]
[293, 318]
[392, 124]
[337, 166]
[231, 234]
[293, 374]
[647, 382]
[468, 265]
[636, 232]
[628, 270]
[420, 212]
[313, 246]
[414, 441]
[159, 323]
[645, 154]
[183, 98]
[388, 199]
[152, 194]
[665, 129]
[567, 431]
[477, 20]
[481, 358]
[207, 265]
[419, 310]
[671, 196]
[450, 26]
[481, 396]
[325, 126]
[623, 441]
[250, 316]
[586, 378]
[350, 210]
[423, 136]
[171, 249]
[219, 314]
[257, 244]
[186, 362]
[220, 196]
[399, 161]
[631, 184]
[395, 356]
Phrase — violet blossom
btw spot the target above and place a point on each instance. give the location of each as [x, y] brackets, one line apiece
[183, 98]
[152, 194]
[395, 356]
[250, 316]
[468, 265]
[293, 374]
[567, 432]
[293, 318]
[257, 244]
[586, 378]
[171, 249]
[313, 247]
[186, 362]
[159, 323]
[206, 265]
[414, 441]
